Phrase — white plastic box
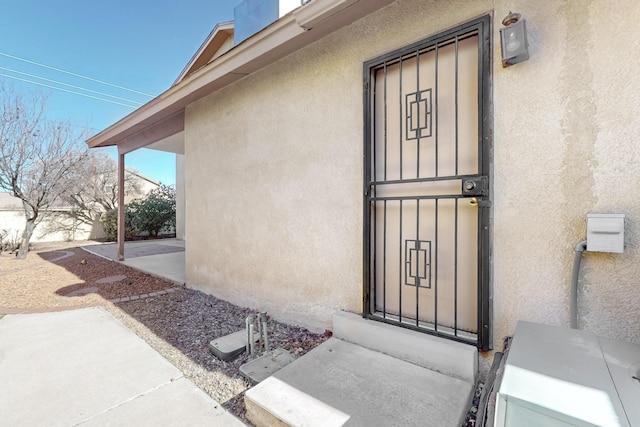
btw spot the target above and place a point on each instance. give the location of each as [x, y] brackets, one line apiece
[605, 233]
[559, 377]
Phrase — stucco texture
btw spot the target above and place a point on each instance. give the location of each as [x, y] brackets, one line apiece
[566, 126]
[274, 168]
[283, 219]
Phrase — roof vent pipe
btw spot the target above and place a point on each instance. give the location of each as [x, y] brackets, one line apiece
[252, 16]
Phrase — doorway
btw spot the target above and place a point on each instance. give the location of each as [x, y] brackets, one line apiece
[427, 185]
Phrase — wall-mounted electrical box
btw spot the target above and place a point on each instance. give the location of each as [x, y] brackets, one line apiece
[605, 233]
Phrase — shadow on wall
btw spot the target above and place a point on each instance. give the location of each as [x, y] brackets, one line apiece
[68, 226]
[55, 227]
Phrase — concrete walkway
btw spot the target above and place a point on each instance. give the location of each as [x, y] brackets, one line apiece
[85, 368]
[163, 258]
[370, 373]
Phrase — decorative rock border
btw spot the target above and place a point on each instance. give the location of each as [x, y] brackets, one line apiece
[144, 296]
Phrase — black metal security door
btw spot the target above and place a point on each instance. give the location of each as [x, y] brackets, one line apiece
[427, 185]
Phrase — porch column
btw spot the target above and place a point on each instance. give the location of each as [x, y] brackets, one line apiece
[121, 224]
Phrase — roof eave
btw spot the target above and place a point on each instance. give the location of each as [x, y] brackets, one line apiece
[290, 33]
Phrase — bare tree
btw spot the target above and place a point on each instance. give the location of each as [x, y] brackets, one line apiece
[96, 189]
[92, 192]
[38, 157]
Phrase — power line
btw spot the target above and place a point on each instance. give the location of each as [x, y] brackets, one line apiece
[69, 85]
[74, 74]
[68, 91]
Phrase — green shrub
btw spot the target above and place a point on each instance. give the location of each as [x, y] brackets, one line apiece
[152, 214]
[109, 221]
[156, 212]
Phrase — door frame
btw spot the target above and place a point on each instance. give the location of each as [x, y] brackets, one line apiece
[483, 26]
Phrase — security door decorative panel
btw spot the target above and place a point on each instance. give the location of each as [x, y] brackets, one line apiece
[427, 185]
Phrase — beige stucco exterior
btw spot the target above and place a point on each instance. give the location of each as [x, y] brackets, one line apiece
[566, 126]
[274, 168]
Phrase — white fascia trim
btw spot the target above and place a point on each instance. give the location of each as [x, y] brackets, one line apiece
[316, 11]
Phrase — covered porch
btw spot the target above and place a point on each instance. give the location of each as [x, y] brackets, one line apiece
[219, 62]
[161, 258]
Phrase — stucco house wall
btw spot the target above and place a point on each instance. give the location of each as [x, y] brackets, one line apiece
[566, 126]
[276, 162]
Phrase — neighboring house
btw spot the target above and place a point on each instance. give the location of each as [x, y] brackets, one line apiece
[140, 186]
[374, 156]
[62, 223]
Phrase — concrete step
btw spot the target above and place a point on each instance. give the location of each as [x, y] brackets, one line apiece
[370, 373]
[448, 357]
[340, 383]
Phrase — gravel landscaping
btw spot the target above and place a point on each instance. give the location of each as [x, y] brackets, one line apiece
[178, 323]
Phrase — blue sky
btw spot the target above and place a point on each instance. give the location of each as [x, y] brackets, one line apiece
[138, 44]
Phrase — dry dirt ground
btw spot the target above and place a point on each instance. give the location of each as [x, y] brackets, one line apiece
[178, 323]
[55, 277]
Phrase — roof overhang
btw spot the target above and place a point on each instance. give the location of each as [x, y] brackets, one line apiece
[163, 116]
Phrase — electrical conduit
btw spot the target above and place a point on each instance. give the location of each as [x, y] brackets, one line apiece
[577, 259]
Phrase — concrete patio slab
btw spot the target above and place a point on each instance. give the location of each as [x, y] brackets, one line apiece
[162, 258]
[168, 266]
[138, 248]
[83, 366]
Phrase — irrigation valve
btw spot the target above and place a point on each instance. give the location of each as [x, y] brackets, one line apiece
[257, 335]
[605, 233]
